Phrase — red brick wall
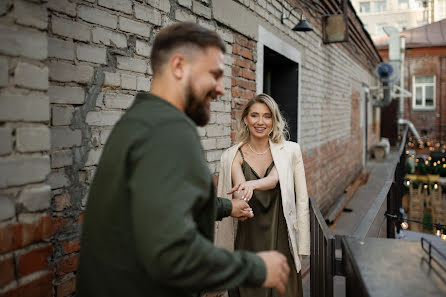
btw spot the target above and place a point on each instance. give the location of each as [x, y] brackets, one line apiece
[330, 168]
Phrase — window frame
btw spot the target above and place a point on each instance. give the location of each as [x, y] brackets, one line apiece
[369, 9]
[423, 107]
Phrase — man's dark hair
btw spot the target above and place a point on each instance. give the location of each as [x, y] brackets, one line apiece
[178, 35]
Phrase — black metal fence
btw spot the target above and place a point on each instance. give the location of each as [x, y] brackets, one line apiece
[323, 262]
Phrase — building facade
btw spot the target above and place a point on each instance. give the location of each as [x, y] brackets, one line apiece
[70, 69]
[424, 77]
[401, 14]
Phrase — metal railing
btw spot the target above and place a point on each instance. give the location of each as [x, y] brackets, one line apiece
[322, 259]
[323, 262]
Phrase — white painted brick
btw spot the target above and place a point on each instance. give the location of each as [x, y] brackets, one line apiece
[100, 100]
[64, 72]
[5, 141]
[215, 130]
[31, 76]
[131, 64]
[131, 26]
[93, 157]
[35, 198]
[207, 24]
[58, 179]
[91, 54]
[143, 48]
[201, 10]
[121, 101]
[201, 131]
[61, 49]
[217, 106]
[119, 5]
[209, 144]
[32, 108]
[7, 208]
[4, 72]
[105, 133]
[223, 118]
[213, 156]
[223, 143]
[147, 14]
[62, 115]
[212, 167]
[32, 139]
[66, 95]
[103, 118]
[149, 69]
[143, 83]
[163, 5]
[107, 37]
[30, 14]
[185, 3]
[29, 43]
[63, 6]
[226, 35]
[68, 28]
[25, 170]
[65, 137]
[112, 79]
[61, 159]
[184, 16]
[128, 82]
[97, 16]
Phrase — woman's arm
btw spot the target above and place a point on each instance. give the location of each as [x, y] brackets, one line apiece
[244, 189]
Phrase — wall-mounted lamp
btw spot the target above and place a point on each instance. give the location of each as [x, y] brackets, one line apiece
[302, 26]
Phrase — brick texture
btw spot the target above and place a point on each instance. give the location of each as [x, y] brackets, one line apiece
[70, 69]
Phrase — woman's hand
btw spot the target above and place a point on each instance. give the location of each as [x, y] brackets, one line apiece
[245, 190]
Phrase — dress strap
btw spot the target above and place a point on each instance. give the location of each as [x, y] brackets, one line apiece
[241, 153]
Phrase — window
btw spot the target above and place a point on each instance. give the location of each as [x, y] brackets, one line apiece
[364, 7]
[440, 11]
[420, 3]
[380, 29]
[403, 4]
[379, 6]
[421, 23]
[423, 92]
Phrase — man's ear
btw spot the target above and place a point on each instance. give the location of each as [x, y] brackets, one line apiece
[177, 66]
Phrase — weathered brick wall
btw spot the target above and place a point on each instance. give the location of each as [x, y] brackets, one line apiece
[25, 196]
[70, 68]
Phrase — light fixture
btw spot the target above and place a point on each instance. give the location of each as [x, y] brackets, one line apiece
[302, 26]
[435, 186]
[404, 225]
[408, 183]
[438, 233]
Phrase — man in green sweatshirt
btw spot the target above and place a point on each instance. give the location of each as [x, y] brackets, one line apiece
[149, 223]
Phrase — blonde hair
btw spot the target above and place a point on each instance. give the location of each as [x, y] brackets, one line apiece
[279, 131]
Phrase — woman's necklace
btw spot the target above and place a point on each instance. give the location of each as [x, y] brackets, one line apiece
[250, 147]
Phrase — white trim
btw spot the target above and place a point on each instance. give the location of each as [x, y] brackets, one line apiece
[270, 40]
[423, 85]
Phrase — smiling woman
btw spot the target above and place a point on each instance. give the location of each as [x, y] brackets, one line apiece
[266, 170]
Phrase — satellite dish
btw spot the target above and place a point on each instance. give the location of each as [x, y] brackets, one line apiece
[388, 72]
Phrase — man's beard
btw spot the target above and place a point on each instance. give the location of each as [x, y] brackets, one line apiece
[197, 110]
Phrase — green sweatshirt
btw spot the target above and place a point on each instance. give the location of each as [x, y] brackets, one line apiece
[149, 223]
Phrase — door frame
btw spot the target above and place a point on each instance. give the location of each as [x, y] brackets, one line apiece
[270, 40]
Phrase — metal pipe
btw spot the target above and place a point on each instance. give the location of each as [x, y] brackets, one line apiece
[411, 127]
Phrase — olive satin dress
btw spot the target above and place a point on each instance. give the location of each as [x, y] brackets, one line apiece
[266, 231]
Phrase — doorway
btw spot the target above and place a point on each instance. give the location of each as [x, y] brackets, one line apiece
[281, 81]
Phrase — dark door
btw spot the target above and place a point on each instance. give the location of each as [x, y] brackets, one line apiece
[280, 81]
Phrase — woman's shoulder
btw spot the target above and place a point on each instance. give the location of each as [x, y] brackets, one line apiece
[230, 151]
[292, 146]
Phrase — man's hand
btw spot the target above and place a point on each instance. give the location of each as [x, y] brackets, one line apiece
[277, 270]
[241, 210]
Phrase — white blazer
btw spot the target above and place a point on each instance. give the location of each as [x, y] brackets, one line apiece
[289, 164]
